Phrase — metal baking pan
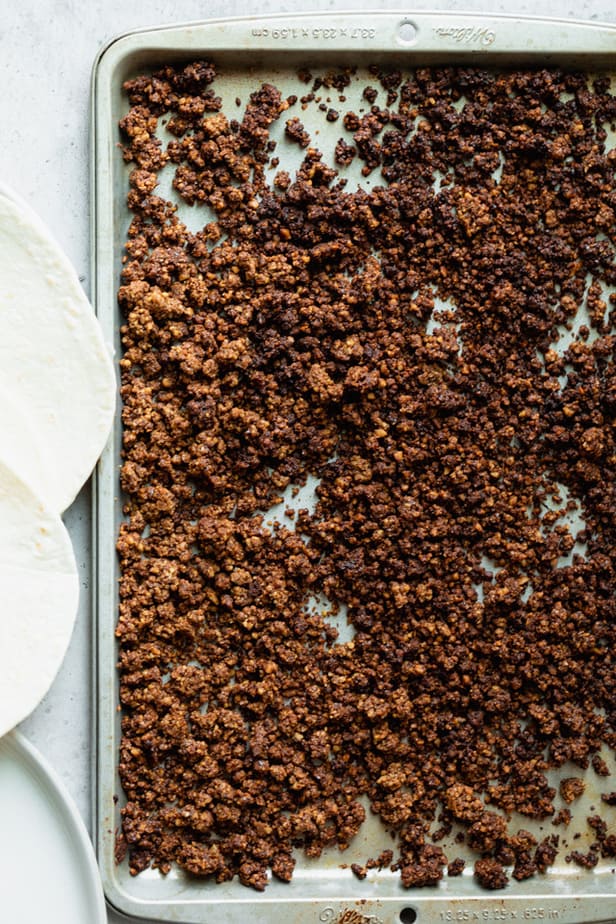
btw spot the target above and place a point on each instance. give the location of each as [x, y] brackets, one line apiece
[274, 48]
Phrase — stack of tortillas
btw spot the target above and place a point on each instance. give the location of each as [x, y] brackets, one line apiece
[57, 399]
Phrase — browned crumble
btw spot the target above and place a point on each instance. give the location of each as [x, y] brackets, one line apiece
[571, 788]
[599, 765]
[586, 860]
[490, 874]
[456, 867]
[344, 153]
[383, 861]
[295, 131]
[546, 853]
[562, 817]
[289, 338]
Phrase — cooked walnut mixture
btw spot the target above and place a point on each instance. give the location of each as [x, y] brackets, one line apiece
[413, 346]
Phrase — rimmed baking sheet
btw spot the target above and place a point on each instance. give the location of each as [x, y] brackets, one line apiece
[249, 51]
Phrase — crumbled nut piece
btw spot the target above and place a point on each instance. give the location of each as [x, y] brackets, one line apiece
[571, 788]
[490, 874]
[383, 861]
[524, 866]
[585, 860]
[456, 867]
[599, 765]
[563, 817]
[344, 153]
[546, 853]
[463, 803]
[295, 131]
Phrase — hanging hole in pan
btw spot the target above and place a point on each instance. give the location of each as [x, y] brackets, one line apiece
[407, 35]
[408, 916]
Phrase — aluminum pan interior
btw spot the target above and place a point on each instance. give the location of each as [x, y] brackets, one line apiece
[278, 46]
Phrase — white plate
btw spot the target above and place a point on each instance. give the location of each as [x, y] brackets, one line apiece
[48, 871]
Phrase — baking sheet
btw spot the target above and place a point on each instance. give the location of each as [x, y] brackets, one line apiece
[248, 52]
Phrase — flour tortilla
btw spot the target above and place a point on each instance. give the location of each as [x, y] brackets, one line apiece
[53, 359]
[39, 595]
[20, 446]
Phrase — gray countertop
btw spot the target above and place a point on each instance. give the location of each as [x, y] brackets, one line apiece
[47, 48]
